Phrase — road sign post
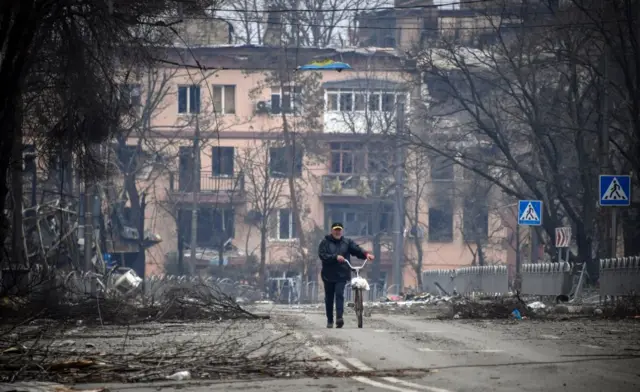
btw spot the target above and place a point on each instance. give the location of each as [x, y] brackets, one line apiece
[614, 191]
[530, 214]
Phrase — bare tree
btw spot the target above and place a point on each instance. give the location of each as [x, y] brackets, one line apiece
[264, 195]
[311, 23]
[57, 50]
[367, 106]
[531, 103]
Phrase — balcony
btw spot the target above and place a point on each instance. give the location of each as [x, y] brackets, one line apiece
[210, 188]
[350, 186]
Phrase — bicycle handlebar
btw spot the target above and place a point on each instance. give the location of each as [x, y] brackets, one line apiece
[356, 268]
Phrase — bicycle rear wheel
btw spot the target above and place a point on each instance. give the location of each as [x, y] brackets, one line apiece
[358, 306]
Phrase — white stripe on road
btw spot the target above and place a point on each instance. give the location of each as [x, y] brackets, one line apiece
[425, 349]
[364, 380]
[380, 385]
[390, 331]
[361, 366]
[554, 337]
[593, 346]
[336, 350]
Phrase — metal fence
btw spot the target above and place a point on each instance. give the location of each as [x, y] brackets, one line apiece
[491, 279]
[620, 277]
[546, 279]
[313, 292]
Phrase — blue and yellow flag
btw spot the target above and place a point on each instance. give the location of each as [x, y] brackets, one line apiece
[327, 64]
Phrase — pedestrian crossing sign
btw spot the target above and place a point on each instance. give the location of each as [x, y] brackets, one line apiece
[615, 191]
[530, 212]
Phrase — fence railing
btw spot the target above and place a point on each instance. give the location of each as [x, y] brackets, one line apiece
[491, 279]
[208, 182]
[618, 277]
[546, 279]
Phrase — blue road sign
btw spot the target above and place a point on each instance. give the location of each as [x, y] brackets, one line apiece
[615, 191]
[530, 212]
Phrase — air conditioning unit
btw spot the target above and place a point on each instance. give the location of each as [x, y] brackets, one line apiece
[263, 107]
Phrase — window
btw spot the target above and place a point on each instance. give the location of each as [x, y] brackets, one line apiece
[360, 102]
[441, 222]
[380, 159]
[189, 99]
[441, 168]
[359, 219]
[288, 100]
[224, 99]
[374, 102]
[278, 165]
[130, 95]
[133, 159]
[286, 225]
[347, 158]
[346, 101]
[222, 161]
[388, 102]
[353, 100]
[214, 226]
[475, 220]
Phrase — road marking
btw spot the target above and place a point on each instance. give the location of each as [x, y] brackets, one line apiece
[550, 337]
[425, 349]
[361, 366]
[390, 331]
[380, 385]
[592, 346]
[336, 350]
[332, 362]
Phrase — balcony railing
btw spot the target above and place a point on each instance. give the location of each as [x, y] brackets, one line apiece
[353, 185]
[207, 183]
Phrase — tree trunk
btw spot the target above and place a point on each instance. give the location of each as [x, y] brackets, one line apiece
[263, 256]
[142, 257]
[420, 255]
[290, 156]
[17, 238]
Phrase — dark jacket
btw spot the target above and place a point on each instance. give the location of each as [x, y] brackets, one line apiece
[329, 249]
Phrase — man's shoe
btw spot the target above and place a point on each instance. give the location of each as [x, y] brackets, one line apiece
[329, 325]
[339, 323]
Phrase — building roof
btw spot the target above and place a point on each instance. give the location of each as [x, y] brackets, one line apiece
[248, 57]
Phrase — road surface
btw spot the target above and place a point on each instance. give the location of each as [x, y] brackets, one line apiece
[493, 356]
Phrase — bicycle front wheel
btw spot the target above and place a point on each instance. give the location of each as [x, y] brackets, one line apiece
[359, 307]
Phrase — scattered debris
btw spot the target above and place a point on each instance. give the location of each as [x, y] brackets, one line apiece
[180, 376]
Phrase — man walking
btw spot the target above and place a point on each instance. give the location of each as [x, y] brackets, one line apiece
[334, 250]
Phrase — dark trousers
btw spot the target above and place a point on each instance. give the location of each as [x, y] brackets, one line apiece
[334, 290]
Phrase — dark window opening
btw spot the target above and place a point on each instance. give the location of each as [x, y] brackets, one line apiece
[278, 163]
[223, 161]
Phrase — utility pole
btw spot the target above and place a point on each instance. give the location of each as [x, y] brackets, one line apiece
[195, 181]
[604, 144]
[398, 221]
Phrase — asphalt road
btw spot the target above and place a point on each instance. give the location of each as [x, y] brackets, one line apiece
[458, 356]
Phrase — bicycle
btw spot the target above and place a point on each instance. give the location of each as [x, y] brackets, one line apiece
[358, 285]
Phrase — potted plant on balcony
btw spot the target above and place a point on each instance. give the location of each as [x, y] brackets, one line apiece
[363, 187]
[335, 185]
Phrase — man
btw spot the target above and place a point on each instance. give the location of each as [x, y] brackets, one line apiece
[334, 250]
